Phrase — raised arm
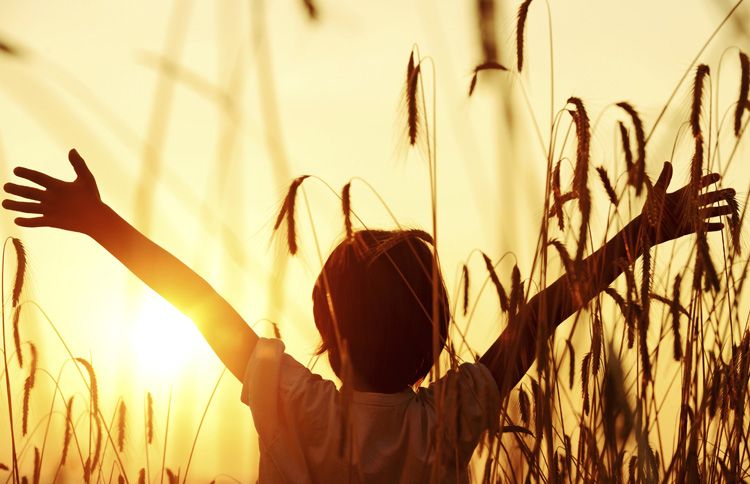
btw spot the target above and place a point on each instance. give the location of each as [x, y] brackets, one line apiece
[76, 206]
[512, 354]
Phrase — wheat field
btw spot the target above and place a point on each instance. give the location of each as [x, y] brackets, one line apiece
[249, 138]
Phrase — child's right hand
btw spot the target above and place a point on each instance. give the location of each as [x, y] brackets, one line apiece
[74, 206]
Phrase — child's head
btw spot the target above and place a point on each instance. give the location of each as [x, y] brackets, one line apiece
[380, 287]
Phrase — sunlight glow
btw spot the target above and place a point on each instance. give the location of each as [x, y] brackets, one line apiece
[162, 338]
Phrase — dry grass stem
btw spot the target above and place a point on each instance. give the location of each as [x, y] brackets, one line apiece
[607, 184]
[310, 9]
[675, 313]
[412, 109]
[596, 345]
[570, 268]
[149, 418]
[27, 387]
[465, 279]
[346, 206]
[585, 373]
[581, 173]
[486, 27]
[485, 66]
[68, 430]
[92, 464]
[644, 319]
[735, 224]
[501, 294]
[524, 406]
[121, 426]
[9, 49]
[571, 364]
[708, 268]
[93, 386]
[742, 100]
[632, 311]
[637, 167]
[557, 205]
[516, 291]
[287, 211]
[523, 12]
[701, 72]
[17, 335]
[625, 138]
[20, 270]
[557, 196]
[37, 465]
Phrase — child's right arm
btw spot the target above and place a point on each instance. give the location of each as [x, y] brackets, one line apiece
[76, 206]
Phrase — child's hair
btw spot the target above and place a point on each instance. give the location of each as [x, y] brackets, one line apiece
[380, 287]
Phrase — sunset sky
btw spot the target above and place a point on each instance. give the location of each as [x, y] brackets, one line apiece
[89, 77]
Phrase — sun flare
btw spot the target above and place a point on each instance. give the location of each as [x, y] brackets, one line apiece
[162, 338]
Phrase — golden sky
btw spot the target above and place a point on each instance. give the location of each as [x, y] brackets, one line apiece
[89, 79]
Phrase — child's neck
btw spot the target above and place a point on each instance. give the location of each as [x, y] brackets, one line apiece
[361, 385]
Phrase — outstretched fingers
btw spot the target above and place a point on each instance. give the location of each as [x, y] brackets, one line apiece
[664, 178]
[711, 212]
[25, 192]
[37, 177]
[25, 207]
[716, 196]
[79, 166]
[709, 179]
[32, 222]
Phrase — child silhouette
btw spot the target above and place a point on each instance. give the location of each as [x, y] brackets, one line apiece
[373, 305]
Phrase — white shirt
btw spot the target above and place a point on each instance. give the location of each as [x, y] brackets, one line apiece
[390, 437]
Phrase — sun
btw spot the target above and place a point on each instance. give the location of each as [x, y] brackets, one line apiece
[163, 338]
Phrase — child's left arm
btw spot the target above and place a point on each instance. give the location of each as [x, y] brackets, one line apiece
[76, 206]
[512, 354]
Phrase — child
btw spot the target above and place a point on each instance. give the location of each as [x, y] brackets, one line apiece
[373, 305]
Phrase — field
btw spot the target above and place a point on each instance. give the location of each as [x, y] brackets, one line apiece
[522, 139]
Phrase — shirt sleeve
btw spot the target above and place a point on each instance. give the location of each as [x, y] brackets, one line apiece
[284, 396]
[471, 406]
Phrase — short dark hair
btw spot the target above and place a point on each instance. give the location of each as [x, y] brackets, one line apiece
[377, 286]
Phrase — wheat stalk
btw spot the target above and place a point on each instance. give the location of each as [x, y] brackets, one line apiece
[68, 430]
[465, 279]
[637, 167]
[287, 211]
[742, 100]
[20, 270]
[580, 175]
[27, 386]
[412, 83]
[523, 12]
[502, 296]
[17, 335]
[607, 184]
[149, 418]
[37, 466]
[121, 422]
[485, 66]
[93, 385]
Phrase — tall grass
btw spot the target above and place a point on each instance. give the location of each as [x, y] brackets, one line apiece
[639, 413]
[650, 383]
[85, 434]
